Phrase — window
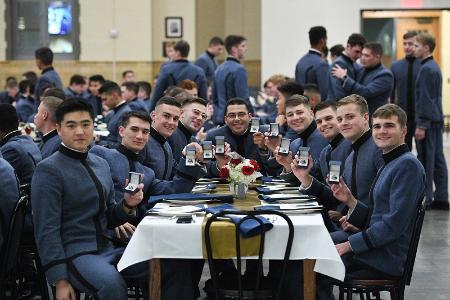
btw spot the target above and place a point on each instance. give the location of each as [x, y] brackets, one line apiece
[35, 23]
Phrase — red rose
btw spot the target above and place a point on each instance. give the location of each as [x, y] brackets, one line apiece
[224, 173]
[247, 170]
[235, 161]
[255, 164]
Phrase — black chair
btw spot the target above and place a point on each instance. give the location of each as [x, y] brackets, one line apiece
[396, 288]
[242, 290]
[8, 263]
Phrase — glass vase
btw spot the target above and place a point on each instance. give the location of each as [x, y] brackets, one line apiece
[238, 189]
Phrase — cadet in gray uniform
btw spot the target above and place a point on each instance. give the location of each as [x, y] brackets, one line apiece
[429, 123]
[230, 78]
[380, 250]
[18, 149]
[193, 116]
[73, 206]
[158, 154]
[207, 60]
[45, 122]
[112, 98]
[374, 82]
[311, 68]
[405, 74]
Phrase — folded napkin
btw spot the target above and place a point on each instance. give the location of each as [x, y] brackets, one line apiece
[249, 227]
[278, 197]
[275, 189]
[271, 179]
[189, 197]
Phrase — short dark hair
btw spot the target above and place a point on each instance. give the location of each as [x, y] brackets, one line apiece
[311, 87]
[237, 101]
[124, 73]
[375, 48]
[358, 100]
[110, 87]
[296, 100]
[97, 78]
[77, 79]
[291, 88]
[233, 40]
[72, 105]
[317, 33]
[125, 120]
[131, 86]
[8, 118]
[215, 41]
[391, 109]
[55, 92]
[356, 39]
[182, 47]
[426, 39]
[172, 101]
[45, 55]
[198, 100]
[324, 105]
[30, 75]
[25, 84]
[336, 50]
[409, 34]
[146, 86]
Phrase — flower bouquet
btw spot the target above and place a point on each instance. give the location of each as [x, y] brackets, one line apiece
[240, 172]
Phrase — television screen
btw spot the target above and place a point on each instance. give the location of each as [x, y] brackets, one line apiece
[59, 18]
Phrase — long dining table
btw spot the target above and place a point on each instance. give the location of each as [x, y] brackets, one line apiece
[159, 237]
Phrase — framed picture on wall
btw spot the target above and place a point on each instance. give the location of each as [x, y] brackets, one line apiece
[174, 27]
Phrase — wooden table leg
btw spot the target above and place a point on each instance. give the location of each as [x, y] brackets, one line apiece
[309, 277]
[154, 282]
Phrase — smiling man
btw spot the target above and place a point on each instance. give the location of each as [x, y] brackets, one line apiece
[158, 154]
[380, 250]
[361, 165]
[300, 118]
[73, 204]
[193, 116]
[236, 132]
[374, 82]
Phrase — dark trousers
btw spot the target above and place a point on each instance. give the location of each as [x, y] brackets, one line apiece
[410, 129]
[97, 274]
[354, 270]
[431, 153]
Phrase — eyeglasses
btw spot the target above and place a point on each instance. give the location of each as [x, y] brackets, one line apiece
[240, 115]
[198, 113]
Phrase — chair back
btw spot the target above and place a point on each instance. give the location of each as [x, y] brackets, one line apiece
[13, 237]
[248, 215]
[415, 237]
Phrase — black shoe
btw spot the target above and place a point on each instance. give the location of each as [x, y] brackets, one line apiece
[439, 205]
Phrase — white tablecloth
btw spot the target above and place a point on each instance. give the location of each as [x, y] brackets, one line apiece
[157, 237]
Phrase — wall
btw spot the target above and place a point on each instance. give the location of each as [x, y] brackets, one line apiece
[132, 21]
[2, 31]
[172, 8]
[445, 60]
